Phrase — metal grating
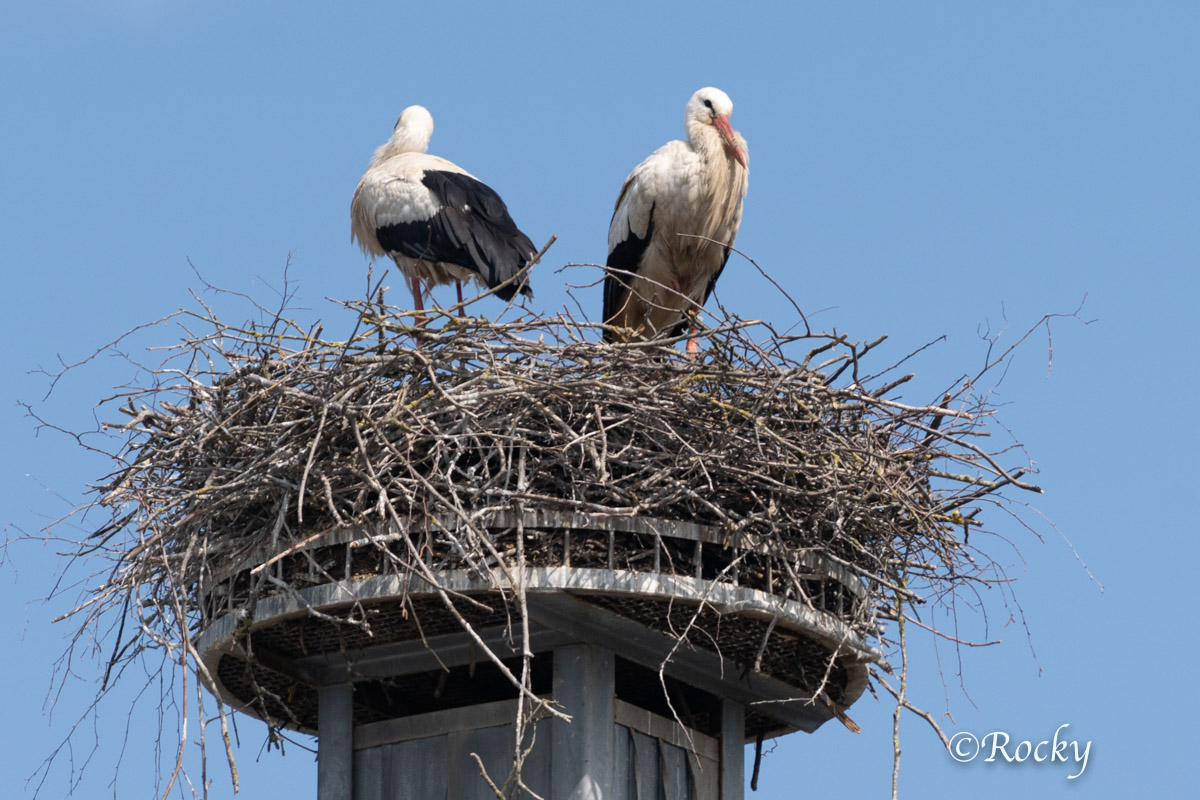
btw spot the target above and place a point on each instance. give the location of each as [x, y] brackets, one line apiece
[291, 702]
[793, 659]
[273, 685]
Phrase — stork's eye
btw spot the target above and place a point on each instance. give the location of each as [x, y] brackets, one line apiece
[708, 104]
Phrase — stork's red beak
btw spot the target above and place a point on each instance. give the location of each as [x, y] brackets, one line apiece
[721, 123]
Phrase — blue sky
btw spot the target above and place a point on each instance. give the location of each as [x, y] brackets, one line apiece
[919, 169]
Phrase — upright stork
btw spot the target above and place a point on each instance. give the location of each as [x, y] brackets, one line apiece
[674, 224]
[438, 222]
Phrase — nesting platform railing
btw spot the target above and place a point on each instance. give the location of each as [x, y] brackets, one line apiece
[677, 626]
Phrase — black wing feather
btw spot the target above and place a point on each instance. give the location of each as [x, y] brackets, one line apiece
[471, 229]
[624, 259]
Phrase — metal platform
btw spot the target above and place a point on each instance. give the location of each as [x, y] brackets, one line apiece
[628, 596]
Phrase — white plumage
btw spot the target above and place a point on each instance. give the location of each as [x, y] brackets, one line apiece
[658, 270]
[439, 223]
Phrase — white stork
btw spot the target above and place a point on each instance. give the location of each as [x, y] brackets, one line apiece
[438, 222]
[659, 272]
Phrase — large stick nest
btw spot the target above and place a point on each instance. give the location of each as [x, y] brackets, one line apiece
[250, 441]
[255, 436]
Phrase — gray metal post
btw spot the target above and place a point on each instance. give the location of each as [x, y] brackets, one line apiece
[583, 750]
[733, 750]
[335, 742]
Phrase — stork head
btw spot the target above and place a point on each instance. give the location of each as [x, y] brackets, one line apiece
[412, 131]
[712, 107]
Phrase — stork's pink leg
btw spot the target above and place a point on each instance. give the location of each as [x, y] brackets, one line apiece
[693, 348]
[418, 303]
[461, 311]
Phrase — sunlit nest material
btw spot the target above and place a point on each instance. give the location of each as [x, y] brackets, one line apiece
[466, 463]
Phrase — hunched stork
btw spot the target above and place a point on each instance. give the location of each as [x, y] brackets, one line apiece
[437, 221]
[674, 224]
